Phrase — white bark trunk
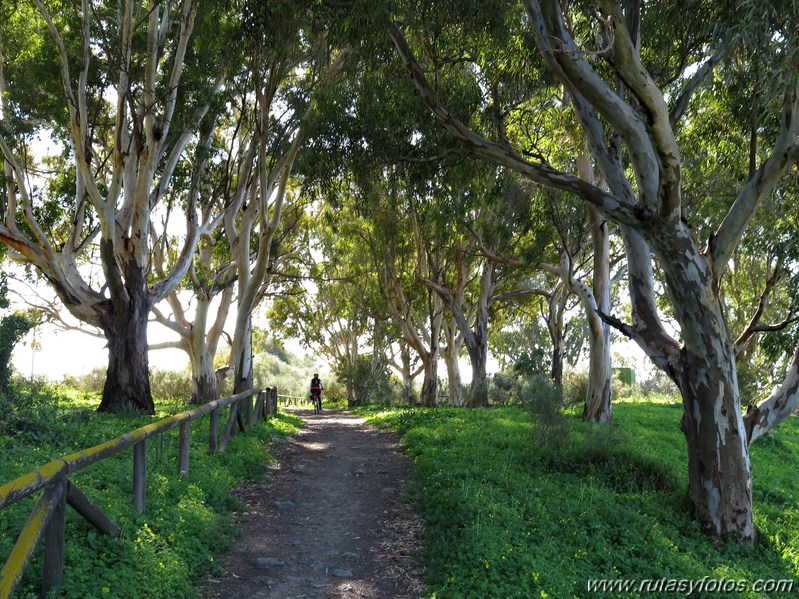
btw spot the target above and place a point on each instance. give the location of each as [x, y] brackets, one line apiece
[451, 354]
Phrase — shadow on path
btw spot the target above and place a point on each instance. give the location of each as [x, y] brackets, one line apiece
[329, 522]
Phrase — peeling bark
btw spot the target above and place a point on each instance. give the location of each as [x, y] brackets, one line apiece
[719, 470]
[773, 410]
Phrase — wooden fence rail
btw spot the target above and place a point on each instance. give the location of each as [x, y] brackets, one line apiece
[294, 399]
[49, 514]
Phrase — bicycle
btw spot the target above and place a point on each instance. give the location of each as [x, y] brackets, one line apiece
[316, 400]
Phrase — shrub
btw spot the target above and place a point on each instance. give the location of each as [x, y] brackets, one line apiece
[575, 387]
[544, 401]
[171, 385]
[27, 406]
[91, 382]
[366, 380]
[503, 388]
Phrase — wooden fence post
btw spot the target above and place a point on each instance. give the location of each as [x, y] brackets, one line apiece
[93, 514]
[53, 570]
[23, 549]
[183, 452]
[258, 411]
[271, 402]
[214, 434]
[250, 413]
[230, 426]
[139, 476]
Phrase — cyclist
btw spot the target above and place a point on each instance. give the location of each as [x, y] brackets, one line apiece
[316, 392]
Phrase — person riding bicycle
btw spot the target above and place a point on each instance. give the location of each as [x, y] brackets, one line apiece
[316, 389]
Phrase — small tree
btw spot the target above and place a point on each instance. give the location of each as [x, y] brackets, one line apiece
[12, 329]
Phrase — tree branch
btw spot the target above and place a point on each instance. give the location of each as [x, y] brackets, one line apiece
[498, 154]
[785, 154]
[769, 413]
[753, 326]
[567, 63]
[693, 83]
[627, 62]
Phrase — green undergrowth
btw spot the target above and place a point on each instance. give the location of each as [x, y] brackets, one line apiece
[175, 543]
[511, 511]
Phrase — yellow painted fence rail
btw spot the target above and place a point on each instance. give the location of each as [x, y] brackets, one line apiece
[49, 514]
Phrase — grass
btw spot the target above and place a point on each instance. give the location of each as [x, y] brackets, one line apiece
[510, 515]
[167, 550]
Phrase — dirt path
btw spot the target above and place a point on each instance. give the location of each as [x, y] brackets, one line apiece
[328, 523]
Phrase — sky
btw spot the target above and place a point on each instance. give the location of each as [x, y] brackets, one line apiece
[75, 353]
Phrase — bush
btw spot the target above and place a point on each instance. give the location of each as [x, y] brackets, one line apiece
[366, 381]
[544, 401]
[171, 385]
[503, 388]
[575, 387]
[92, 382]
[27, 406]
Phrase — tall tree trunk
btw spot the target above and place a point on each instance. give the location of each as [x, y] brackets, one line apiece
[454, 380]
[205, 384]
[557, 306]
[242, 366]
[478, 394]
[352, 360]
[409, 395]
[430, 384]
[600, 374]
[127, 380]
[719, 470]
[451, 354]
[598, 407]
[556, 370]
[476, 339]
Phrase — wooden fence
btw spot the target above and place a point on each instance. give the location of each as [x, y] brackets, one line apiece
[294, 400]
[49, 514]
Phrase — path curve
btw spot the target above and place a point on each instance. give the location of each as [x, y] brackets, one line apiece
[328, 523]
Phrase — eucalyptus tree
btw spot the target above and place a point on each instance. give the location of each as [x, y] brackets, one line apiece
[335, 313]
[759, 289]
[630, 72]
[594, 298]
[210, 285]
[372, 154]
[409, 257]
[211, 281]
[408, 367]
[287, 57]
[124, 90]
[485, 217]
